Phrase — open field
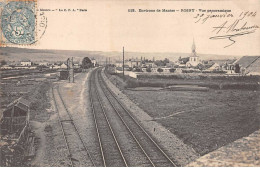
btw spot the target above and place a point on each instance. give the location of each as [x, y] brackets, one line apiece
[204, 120]
[32, 86]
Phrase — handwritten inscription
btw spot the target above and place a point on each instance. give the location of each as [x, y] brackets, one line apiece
[232, 27]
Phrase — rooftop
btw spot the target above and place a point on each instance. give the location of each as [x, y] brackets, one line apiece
[246, 61]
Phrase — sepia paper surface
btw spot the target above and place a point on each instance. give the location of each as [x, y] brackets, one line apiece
[189, 64]
[108, 25]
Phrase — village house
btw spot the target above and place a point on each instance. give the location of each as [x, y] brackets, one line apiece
[144, 69]
[154, 70]
[25, 67]
[6, 67]
[220, 65]
[178, 70]
[43, 64]
[215, 66]
[94, 62]
[76, 64]
[170, 64]
[26, 63]
[166, 69]
[119, 63]
[229, 66]
[249, 65]
[135, 62]
[63, 66]
[150, 64]
[58, 66]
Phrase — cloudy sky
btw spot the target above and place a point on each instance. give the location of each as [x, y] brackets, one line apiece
[108, 26]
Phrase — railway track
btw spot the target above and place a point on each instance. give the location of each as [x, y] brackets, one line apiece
[145, 147]
[109, 147]
[77, 151]
[156, 155]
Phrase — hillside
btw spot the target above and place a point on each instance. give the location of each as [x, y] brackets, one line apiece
[17, 54]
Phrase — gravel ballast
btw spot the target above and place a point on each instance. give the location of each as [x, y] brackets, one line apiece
[176, 149]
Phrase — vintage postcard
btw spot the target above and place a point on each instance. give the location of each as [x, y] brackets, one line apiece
[138, 83]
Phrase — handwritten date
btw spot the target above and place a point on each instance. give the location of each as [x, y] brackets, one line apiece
[232, 27]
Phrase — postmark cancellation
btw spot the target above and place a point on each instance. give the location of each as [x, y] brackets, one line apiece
[18, 22]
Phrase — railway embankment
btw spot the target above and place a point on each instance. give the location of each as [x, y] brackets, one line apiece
[51, 148]
[175, 148]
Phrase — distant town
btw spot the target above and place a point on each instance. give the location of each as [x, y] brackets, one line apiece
[246, 65]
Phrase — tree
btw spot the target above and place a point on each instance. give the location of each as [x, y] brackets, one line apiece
[162, 62]
[183, 60]
[200, 67]
[158, 63]
[3, 62]
[86, 63]
[138, 70]
[237, 68]
[148, 69]
[160, 70]
[172, 70]
[166, 60]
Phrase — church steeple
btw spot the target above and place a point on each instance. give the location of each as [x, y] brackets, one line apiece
[193, 59]
[193, 48]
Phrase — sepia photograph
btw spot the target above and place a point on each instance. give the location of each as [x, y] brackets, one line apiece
[130, 83]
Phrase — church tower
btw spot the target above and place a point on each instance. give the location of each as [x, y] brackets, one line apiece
[193, 48]
[193, 59]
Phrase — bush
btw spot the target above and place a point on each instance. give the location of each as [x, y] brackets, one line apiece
[237, 68]
[148, 69]
[138, 70]
[241, 86]
[133, 83]
[172, 70]
[119, 68]
[187, 71]
[211, 77]
[219, 71]
[160, 70]
[191, 71]
[110, 70]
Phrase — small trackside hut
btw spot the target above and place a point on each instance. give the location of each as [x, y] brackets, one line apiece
[64, 75]
[17, 139]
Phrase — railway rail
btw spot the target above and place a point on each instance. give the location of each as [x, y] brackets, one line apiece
[109, 147]
[78, 153]
[122, 141]
[154, 155]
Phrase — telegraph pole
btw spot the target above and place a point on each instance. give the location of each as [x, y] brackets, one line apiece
[71, 70]
[123, 63]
